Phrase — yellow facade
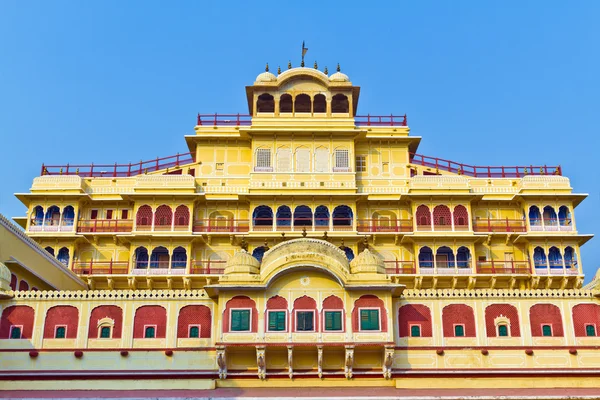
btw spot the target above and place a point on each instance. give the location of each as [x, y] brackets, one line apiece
[300, 244]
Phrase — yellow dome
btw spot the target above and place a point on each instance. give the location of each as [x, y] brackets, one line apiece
[339, 77]
[266, 77]
[242, 262]
[367, 262]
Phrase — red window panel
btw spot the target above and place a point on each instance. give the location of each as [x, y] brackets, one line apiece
[493, 311]
[545, 314]
[194, 315]
[23, 285]
[442, 216]
[94, 214]
[277, 303]
[182, 216]
[461, 216]
[13, 281]
[414, 314]
[423, 215]
[305, 303]
[458, 314]
[144, 216]
[333, 303]
[109, 214]
[113, 312]
[150, 315]
[20, 316]
[61, 315]
[124, 214]
[585, 314]
[163, 216]
[369, 301]
[241, 302]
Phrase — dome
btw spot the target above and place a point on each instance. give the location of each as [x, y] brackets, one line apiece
[367, 262]
[266, 77]
[242, 262]
[339, 77]
[4, 278]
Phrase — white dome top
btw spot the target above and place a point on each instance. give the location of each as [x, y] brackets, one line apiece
[242, 262]
[266, 77]
[339, 77]
[367, 262]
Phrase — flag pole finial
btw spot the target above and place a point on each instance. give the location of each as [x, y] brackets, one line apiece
[289, 65]
[338, 68]
[267, 68]
[304, 50]
[316, 67]
[278, 70]
[326, 72]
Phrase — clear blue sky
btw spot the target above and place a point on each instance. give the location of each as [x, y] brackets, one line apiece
[496, 83]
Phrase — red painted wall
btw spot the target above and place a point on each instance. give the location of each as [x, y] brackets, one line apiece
[13, 281]
[411, 314]
[493, 311]
[241, 302]
[17, 315]
[194, 315]
[371, 301]
[585, 314]
[545, 314]
[150, 315]
[458, 314]
[23, 285]
[61, 315]
[112, 312]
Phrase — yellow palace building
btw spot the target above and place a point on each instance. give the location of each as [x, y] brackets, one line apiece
[300, 244]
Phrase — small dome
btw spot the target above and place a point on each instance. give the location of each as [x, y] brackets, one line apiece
[367, 262]
[339, 77]
[242, 262]
[266, 77]
[4, 278]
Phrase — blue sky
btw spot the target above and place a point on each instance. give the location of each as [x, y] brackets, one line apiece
[482, 82]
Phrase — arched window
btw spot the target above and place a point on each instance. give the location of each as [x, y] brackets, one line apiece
[65, 317]
[179, 258]
[535, 218]
[262, 218]
[141, 257]
[321, 159]
[369, 314]
[50, 250]
[52, 216]
[302, 216]
[349, 253]
[150, 322]
[502, 320]
[320, 103]
[68, 216]
[265, 103]
[586, 319]
[564, 216]
[339, 104]
[63, 256]
[425, 257]
[163, 218]
[13, 281]
[554, 258]
[106, 322]
[442, 217]
[545, 320]
[37, 216]
[333, 314]
[284, 159]
[302, 159]
[342, 218]
[276, 318]
[458, 320]
[539, 258]
[302, 104]
[463, 257]
[240, 315]
[182, 217]
[194, 321]
[143, 218]
[159, 258]
[423, 217]
[444, 257]
[285, 103]
[550, 218]
[570, 258]
[461, 218]
[414, 320]
[23, 285]
[322, 218]
[283, 218]
[263, 160]
[259, 252]
[304, 315]
[20, 317]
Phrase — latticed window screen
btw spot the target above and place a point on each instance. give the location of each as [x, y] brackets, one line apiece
[277, 320]
[341, 158]
[263, 158]
[240, 320]
[361, 163]
[284, 158]
[302, 160]
[333, 320]
[305, 321]
[369, 320]
[321, 160]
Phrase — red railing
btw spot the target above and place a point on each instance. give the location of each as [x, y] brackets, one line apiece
[119, 170]
[208, 267]
[499, 225]
[483, 171]
[380, 120]
[101, 267]
[224, 119]
[104, 225]
[221, 225]
[400, 267]
[378, 225]
[503, 267]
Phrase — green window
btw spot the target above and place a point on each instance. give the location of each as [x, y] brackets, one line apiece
[60, 333]
[369, 320]
[590, 330]
[546, 330]
[194, 332]
[15, 332]
[277, 320]
[415, 331]
[305, 321]
[240, 320]
[502, 330]
[459, 331]
[333, 320]
[105, 332]
[150, 332]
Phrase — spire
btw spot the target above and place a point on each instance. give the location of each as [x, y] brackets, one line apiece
[289, 65]
[278, 70]
[267, 68]
[338, 68]
[326, 71]
[316, 67]
[304, 50]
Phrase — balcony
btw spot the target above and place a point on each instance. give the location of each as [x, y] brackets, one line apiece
[384, 226]
[400, 267]
[550, 224]
[503, 267]
[162, 228]
[555, 271]
[301, 224]
[499, 225]
[101, 267]
[221, 225]
[442, 228]
[381, 120]
[52, 225]
[104, 225]
[207, 267]
[442, 267]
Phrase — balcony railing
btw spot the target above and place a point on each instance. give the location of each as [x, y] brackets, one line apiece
[208, 267]
[499, 225]
[483, 171]
[380, 225]
[503, 267]
[119, 170]
[224, 119]
[440, 267]
[104, 225]
[101, 267]
[52, 225]
[221, 225]
[558, 270]
[380, 120]
[442, 228]
[299, 224]
[400, 267]
[550, 224]
[162, 228]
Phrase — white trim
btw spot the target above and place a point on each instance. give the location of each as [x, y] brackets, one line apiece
[359, 319]
[313, 311]
[249, 321]
[542, 329]
[285, 328]
[454, 330]
[410, 326]
[341, 311]
[11, 329]
[150, 326]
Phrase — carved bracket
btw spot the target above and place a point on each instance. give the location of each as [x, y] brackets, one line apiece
[261, 362]
[320, 361]
[349, 361]
[222, 362]
[388, 361]
[290, 350]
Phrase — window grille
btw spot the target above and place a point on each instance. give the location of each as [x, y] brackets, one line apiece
[284, 158]
[321, 160]
[502, 330]
[459, 331]
[361, 163]
[302, 160]
[546, 330]
[263, 160]
[590, 330]
[342, 161]
[60, 333]
[150, 332]
[15, 332]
